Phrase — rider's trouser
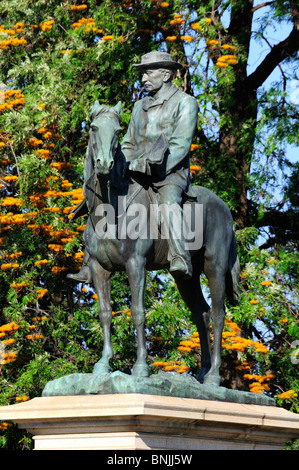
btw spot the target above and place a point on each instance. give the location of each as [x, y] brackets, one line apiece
[172, 223]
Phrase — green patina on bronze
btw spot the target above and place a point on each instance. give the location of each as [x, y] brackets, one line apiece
[163, 384]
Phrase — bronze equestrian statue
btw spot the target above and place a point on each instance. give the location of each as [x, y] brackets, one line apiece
[151, 169]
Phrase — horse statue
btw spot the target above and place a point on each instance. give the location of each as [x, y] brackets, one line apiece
[107, 181]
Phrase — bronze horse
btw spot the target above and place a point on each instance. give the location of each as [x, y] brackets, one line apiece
[106, 179]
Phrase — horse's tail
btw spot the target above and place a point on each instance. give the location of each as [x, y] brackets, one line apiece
[233, 274]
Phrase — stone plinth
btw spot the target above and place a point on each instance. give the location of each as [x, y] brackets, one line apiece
[139, 421]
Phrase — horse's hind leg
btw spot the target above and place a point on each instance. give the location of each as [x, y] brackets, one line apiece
[102, 283]
[192, 295]
[216, 279]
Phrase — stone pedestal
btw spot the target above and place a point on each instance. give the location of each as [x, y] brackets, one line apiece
[150, 422]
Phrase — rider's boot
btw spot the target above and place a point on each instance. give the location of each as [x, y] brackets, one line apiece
[84, 275]
[178, 255]
[180, 267]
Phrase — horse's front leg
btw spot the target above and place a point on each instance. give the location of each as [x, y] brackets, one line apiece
[137, 277]
[102, 283]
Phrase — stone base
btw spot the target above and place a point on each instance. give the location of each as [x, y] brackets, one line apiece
[140, 422]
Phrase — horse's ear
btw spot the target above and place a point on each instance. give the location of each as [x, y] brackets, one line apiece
[96, 105]
[117, 108]
[95, 109]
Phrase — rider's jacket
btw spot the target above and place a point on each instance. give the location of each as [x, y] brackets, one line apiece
[173, 114]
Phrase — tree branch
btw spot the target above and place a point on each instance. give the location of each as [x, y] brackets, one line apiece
[278, 53]
[241, 22]
[261, 5]
[284, 226]
[12, 151]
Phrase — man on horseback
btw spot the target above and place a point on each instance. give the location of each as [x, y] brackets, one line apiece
[157, 148]
[166, 113]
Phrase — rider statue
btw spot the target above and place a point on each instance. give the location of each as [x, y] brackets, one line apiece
[166, 118]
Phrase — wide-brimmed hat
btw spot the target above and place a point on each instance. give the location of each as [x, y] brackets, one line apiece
[157, 59]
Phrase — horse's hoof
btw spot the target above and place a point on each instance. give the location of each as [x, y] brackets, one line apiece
[213, 380]
[140, 370]
[100, 368]
[201, 376]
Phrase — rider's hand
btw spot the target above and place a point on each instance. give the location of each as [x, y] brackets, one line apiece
[140, 164]
[134, 165]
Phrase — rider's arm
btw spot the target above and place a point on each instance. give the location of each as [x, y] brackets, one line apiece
[181, 139]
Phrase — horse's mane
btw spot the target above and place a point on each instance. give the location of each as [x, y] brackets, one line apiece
[98, 109]
[118, 175]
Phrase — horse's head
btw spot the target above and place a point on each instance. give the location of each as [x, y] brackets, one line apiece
[104, 131]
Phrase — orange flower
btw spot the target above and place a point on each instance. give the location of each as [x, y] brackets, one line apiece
[41, 293]
[226, 60]
[212, 42]
[8, 341]
[77, 7]
[47, 25]
[184, 349]
[4, 426]
[194, 147]
[55, 247]
[289, 394]
[171, 38]
[48, 135]
[15, 255]
[19, 285]
[9, 327]
[194, 169]
[177, 20]
[34, 142]
[58, 269]
[23, 398]
[187, 38]
[4, 267]
[40, 262]
[10, 179]
[228, 47]
[11, 201]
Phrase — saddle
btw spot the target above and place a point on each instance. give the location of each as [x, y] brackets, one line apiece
[134, 189]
